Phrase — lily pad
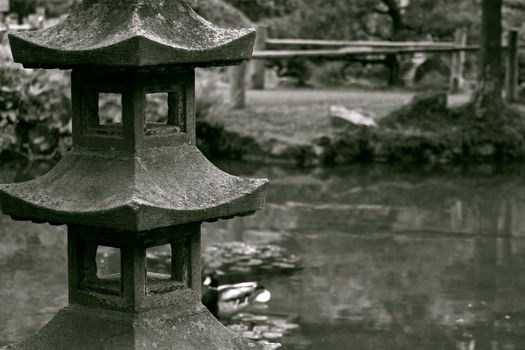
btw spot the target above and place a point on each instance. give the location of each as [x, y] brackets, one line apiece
[264, 328]
[240, 257]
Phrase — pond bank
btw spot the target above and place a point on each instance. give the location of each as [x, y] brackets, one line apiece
[425, 130]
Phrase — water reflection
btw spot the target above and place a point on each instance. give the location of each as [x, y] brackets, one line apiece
[395, 259]
[391, 259]
[33, 277]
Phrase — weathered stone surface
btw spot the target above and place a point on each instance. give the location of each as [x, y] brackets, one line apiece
[157, 188]
[134, 33]
[82, 328]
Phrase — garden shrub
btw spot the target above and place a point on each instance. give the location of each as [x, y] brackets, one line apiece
[298, 69]
[456, 132]
[328, 73]
[54, 8]
[34, 108]
[433, 74]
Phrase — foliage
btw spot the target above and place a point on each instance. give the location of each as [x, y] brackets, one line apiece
[465, 137]
[263, 328]
[244, 258]
[374, 19]
[318, 19]
[426, 112]
[34, 108]
[440, 18]
[54, 8]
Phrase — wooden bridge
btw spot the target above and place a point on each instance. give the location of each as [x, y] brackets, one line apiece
[274, 49]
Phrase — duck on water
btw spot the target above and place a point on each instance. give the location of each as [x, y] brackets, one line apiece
[227, 300]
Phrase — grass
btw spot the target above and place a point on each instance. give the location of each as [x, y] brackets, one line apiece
[294, 126]
[302, 115]
[380, 103]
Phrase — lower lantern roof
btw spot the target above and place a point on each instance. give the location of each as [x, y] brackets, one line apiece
[166, 187]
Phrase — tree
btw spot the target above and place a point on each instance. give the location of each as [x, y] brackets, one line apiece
[488, 99]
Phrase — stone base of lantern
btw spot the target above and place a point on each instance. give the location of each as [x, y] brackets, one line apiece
[84, 328]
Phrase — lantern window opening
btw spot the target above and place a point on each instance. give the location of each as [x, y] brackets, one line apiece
[109, 109]
[170, 117]
[156, 108]
[101, 112]
[108, 261]
[158, 259]
[167, 267]
[101, 269]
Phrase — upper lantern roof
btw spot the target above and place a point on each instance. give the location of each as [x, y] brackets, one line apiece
[132, 33]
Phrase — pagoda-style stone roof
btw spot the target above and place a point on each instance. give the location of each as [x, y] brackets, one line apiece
[132, 33]
[163, 187]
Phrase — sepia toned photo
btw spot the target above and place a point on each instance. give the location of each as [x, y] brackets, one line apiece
[262, 174]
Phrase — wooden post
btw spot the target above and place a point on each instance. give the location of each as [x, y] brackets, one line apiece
[457, 68]
[238, 86]
[258, 66]
[511, 80]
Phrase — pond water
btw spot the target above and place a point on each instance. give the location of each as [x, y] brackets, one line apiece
[378, 258]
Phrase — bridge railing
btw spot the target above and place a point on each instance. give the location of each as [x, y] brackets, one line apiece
[270, 49]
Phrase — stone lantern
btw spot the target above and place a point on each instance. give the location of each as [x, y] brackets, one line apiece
[136, 184]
